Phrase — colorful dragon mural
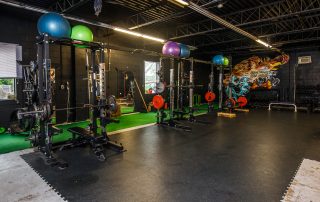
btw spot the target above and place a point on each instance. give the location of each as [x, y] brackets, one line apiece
[254, 73]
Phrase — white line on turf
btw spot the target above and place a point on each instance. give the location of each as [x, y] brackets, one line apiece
[130, 129]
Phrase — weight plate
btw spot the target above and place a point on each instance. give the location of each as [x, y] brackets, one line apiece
[112, 103]
[242, 101]
[158, 102]
[230, 103]
[210, 96]
[160, 87]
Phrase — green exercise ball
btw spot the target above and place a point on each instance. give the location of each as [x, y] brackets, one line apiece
[226, 61]
[82, 33]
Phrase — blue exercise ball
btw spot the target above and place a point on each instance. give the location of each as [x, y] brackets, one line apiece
[218, 60]
[184, 51]
[55, 25]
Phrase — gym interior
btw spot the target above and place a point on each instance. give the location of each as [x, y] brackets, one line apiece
[159, 100]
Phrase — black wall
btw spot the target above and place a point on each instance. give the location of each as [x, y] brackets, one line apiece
[18, 31]
[20, 27]
[307, 79]
[69, 63]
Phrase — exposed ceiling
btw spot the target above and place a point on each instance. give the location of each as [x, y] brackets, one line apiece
[282, 23]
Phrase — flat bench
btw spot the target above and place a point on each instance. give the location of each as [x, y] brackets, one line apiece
[79, 131]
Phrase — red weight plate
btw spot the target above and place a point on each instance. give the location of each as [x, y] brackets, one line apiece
[242, 101]
[210, 96]
[158, 101]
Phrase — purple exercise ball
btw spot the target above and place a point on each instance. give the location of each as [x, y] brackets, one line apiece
[171, 48]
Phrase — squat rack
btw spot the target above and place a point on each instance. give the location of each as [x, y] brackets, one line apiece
[101, 107]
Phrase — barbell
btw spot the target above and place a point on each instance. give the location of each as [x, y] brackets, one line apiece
[46, 110]
[160, 86]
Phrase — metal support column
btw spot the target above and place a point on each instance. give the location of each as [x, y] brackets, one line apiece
[191, 88]
[220, 87]
[172, 86]
[182, 83]
[93, 102]
[179, 86]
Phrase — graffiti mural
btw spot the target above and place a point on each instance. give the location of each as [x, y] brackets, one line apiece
[254, 73]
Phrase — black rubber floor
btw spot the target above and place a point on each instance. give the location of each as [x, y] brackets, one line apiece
[250, 158]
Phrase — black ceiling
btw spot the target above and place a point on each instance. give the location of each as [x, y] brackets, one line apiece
[282, 23]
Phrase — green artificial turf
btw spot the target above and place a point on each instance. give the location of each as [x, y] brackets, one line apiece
[9, 143]
[126, 110]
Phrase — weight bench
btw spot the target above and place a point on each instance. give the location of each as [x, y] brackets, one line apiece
[81, 137]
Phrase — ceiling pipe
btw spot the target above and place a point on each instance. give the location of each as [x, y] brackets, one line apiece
[77, 19]
[89, 22]
[223, 22]
[170, 17]
[69, 17]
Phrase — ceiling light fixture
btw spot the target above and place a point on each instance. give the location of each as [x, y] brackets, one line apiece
[220, 5]
[139, 35]
[263, 43]
[180, 2]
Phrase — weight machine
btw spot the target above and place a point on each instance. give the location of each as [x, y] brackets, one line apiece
[39, 104]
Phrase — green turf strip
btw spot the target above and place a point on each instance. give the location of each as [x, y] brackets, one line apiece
[126, 110]
[9, 143]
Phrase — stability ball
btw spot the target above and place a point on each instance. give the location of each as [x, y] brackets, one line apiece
[171, 48]
[225, 61]
[54, 25]
[184, 51]
[218, 60]
[82, 33]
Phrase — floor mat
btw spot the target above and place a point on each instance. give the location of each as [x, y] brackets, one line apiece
[306, 184]
[19, 182]
[84, 179]
[250, 158]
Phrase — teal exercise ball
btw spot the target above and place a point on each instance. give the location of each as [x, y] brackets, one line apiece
[218, 60]
[55, 25]
[184, 51]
